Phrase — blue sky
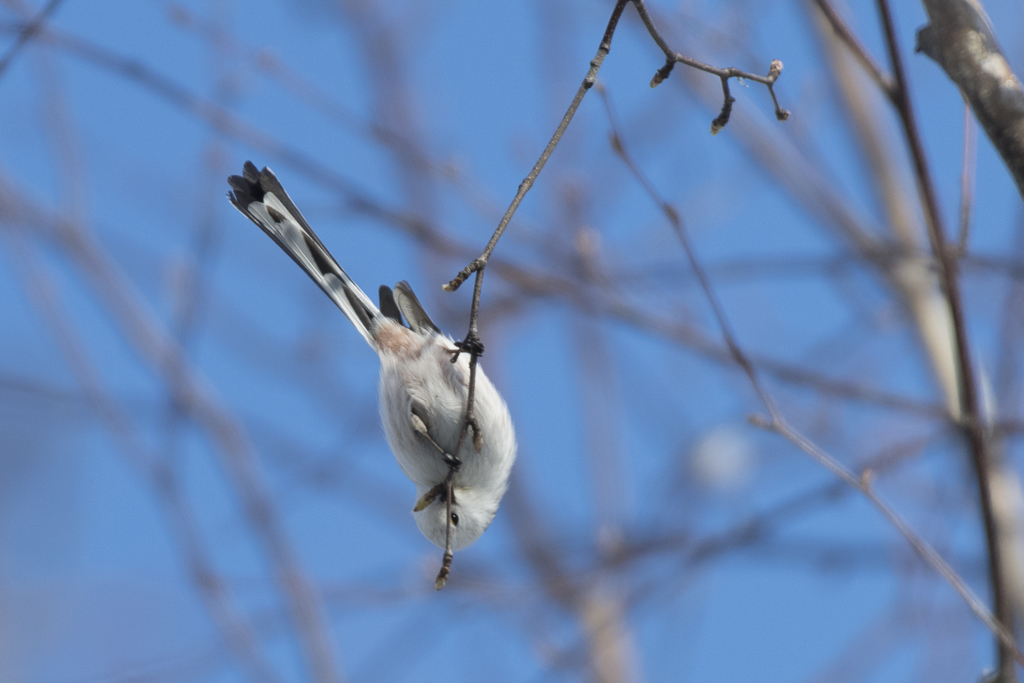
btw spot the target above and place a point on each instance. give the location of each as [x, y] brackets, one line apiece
[123, 121]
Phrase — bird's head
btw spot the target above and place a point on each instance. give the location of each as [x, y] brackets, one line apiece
[471, 514]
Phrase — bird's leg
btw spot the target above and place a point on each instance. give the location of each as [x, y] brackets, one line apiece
[420, 427]
[471, 345]
[439, 491]
[429, 497]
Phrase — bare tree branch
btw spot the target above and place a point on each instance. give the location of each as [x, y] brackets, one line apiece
[974, 427]
[960, 39]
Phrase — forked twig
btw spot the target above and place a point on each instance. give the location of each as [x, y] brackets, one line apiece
[672, 58]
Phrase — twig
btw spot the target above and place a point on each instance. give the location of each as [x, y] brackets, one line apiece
[672, 58]
[603, 49]
[972, 424]
[468, 422]
[778, 424]
[863, 484]
[26, 34]
[472, 344]
[446, 559]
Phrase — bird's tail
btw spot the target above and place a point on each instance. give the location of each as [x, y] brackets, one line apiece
[260, 196]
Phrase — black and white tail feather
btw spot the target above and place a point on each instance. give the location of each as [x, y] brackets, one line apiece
[422, 393]
[260, 196]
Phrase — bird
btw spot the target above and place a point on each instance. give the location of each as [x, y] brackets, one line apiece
[424, 378]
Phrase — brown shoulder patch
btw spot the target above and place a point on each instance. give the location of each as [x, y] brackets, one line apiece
[393, 337]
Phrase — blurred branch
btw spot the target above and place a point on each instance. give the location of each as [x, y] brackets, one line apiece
[778, 424]
[759, 527]
[598, 614]
[960, 39]
[26, 34]
[394, 102]
[1006, 380]
[166, 358]
[225, 122]
[236, 630]
[1007, 372]
[973, 422]
[190, 286]
[472, 344]
[596, 368]
[909, 272]
[880, 637]
[610, 651]
[943, 42]
[882, 80]
[967, 178]
[397, 139]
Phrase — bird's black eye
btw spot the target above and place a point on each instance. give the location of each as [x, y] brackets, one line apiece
[455, 519]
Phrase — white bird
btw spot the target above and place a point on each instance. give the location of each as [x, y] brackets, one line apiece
[422, 392]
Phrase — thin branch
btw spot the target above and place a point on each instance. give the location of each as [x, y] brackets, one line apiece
[468, 422]
[472, 343]
[672, 58]
[677, 224]
[923, 548]
[588, 81]
[759, 527]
